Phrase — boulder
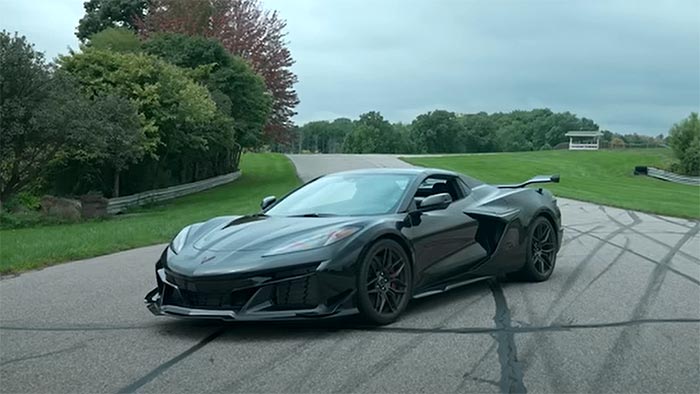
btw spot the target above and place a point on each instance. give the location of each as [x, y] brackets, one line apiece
[64, 208]
[94, 206]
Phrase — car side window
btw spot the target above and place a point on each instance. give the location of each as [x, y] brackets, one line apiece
[440, 184]
[465, 189]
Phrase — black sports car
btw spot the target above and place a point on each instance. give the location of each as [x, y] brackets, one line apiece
[362, 241]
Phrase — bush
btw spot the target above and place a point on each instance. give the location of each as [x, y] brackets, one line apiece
[617, 142]
[684, 138]
[13, 220]
[691, 159]
[23, 201]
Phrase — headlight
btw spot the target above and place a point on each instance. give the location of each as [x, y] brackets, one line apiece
[315, 240]
[178, 242]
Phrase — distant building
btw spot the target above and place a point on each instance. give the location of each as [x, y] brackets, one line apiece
[584, 140]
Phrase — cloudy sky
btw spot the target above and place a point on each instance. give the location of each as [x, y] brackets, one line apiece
[631, 66]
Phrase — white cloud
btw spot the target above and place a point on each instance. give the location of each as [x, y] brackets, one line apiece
[632, 66]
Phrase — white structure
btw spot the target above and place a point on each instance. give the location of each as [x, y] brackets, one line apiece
[584, 140]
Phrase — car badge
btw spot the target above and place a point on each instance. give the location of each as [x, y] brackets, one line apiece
[207, 259]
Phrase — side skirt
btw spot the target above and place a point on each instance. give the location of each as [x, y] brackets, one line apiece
[448, 286]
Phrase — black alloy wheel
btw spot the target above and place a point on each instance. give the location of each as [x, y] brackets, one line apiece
[542, 251]
[384, 283]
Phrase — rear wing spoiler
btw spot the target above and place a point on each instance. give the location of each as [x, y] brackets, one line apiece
[537, 179]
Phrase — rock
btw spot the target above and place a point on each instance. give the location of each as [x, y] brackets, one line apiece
[64, 208]
[94, 206]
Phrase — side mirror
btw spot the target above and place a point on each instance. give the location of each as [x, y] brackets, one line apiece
[436, 201]
[267, 201]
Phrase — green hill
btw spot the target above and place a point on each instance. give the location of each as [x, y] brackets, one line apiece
[604, 177]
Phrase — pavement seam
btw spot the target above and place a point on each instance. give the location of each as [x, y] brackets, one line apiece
[473, 330]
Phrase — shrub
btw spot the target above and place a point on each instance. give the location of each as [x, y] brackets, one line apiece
[617, 142]
[13, 220]
[684, 138]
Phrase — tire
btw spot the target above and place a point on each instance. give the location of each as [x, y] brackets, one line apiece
[541, 251]
[384, 282]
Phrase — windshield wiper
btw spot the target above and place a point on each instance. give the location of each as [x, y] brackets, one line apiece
[313, 215]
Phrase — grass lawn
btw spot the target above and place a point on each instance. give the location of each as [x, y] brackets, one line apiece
[29, 248]
[603, 177]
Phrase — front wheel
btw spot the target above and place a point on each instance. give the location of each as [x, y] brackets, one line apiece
[541, 252]
[384, 282]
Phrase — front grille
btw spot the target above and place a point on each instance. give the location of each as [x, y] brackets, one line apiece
[234, 292]
[225, 283]
[296, 294]
[204, 300]
[191, 299]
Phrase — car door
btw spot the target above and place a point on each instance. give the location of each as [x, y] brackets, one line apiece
[443, 238]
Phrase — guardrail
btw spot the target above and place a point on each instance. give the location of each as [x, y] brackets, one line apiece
[667, 176]
[119, 204]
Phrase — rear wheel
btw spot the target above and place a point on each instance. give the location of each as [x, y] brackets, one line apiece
[384, 283]
[541, 252]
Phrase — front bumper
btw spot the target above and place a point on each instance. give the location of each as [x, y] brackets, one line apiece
[263, 297]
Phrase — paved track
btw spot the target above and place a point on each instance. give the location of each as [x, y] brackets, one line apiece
[621, 313]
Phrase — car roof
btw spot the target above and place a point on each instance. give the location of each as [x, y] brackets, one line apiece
[407, 171]
[415, 171]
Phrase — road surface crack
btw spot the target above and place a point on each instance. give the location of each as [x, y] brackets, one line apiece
[511, 369]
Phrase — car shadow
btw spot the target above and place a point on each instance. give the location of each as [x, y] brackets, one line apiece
[306, 329]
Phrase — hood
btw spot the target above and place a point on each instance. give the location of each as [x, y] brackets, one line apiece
[256, 233]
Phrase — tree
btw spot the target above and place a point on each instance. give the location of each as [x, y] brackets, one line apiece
[184, 131]
[117, 39]
[437, 132]
[237, 90]
[189, 17]
[512, 139]
[478, 132]
[245, 30]
[684, 138]
[117, 141]
[102, 14]
[172, 104]
[188, 51]
[125, 142]
[372, 134]
[42, 114]
[404, 138]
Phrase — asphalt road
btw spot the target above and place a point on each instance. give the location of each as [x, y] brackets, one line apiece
[621, 313]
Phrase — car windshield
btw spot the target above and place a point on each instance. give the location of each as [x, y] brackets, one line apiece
[345, 195]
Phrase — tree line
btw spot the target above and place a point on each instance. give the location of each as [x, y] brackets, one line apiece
[448, 132]
[442, 132]
[157, 95]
